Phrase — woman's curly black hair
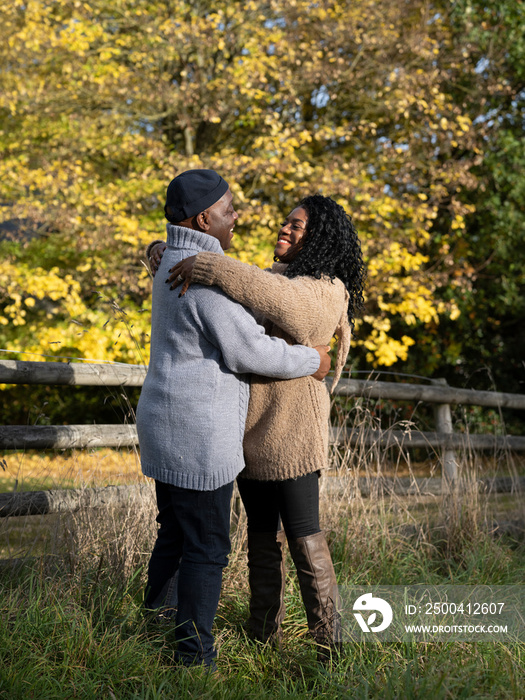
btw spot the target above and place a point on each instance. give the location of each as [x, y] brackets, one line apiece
[331, 247]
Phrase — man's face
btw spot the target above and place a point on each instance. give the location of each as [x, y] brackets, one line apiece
[221, 219]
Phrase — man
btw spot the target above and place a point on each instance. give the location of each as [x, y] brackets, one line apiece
[192, 409]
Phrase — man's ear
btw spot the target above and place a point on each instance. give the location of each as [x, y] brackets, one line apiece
[203, 221]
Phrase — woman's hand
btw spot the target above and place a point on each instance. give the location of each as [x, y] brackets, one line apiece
[155, 257]
[181, 272]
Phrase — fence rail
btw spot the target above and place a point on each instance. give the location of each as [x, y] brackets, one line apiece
[71, 500]
[71, 373]
[428, 394]
[80, 374]
[62, 437]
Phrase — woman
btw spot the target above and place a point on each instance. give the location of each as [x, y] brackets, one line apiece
[313, 291]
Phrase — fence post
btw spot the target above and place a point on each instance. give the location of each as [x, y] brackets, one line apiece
[443, 418]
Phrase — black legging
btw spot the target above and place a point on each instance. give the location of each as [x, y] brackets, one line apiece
[294, 501]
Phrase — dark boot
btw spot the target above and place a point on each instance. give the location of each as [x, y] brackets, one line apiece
[318, 586]
[267, 581]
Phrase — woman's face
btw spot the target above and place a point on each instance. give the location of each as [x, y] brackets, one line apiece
[291, 235]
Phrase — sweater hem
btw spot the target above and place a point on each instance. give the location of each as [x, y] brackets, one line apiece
[192, 481]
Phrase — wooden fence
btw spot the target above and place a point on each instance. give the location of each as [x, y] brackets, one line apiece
[17, 437]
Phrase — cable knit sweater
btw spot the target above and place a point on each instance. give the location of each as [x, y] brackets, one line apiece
[192, 408]
[287, 425]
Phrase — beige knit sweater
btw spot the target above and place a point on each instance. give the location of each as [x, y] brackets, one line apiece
[287, 425]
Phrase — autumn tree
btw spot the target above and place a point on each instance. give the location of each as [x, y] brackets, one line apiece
[486, 259]
[374, 103]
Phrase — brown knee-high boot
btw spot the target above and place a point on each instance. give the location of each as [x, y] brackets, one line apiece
[318, 586]
[267, 577]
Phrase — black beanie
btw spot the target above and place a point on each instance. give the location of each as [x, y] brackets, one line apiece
[192, 192]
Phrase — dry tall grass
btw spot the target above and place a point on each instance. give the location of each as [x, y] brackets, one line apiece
[76, 613]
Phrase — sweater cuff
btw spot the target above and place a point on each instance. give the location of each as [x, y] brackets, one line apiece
[203, 268]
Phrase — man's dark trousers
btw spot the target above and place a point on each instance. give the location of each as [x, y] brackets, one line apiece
[191, 550]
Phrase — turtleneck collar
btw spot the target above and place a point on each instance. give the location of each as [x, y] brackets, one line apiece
[190, 239]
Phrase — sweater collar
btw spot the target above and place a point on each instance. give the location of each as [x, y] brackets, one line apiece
[189, 239]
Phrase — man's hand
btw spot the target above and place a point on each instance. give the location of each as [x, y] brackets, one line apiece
[156, 256]
[324, 366]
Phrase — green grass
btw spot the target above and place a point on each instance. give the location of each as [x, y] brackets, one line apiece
[72, 627]
[71, 623]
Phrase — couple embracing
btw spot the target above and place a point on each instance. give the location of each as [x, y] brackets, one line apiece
[234, 390]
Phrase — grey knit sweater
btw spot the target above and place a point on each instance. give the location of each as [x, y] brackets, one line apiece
[192, 408]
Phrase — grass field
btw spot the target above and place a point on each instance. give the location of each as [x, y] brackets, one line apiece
[71, 624]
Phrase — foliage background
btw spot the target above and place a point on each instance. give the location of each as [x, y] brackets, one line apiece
[409, 114]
